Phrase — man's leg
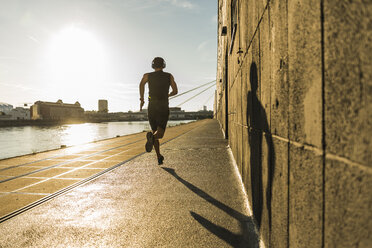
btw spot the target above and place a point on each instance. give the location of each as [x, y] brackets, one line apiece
[158, 134]
[157, 148]
[149, 136]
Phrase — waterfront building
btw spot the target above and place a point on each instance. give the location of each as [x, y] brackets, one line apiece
[5, 117]
[175, 109]
[7, 112]
[5, 107]
[175, 113]
[134, 116]
[102, 106]
[20, 113]
[56, 110]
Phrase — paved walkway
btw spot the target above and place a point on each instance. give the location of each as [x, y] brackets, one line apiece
[31, 179]
[194, 200]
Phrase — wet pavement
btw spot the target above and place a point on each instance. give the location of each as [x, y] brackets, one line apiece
[31, 179]
[195, 199]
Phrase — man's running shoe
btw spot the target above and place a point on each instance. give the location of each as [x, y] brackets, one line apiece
[160, 160]
[150, 142]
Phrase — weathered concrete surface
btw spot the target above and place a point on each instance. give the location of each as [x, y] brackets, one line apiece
[348, 123]
[252, 16]
[306, 83]
[305, 197]
[255, 74]
[305, 72]
[265, 69]
[246, 87]
[262, 211]
[246, 168]
[305, 123]
[348, 204]
[278, 200]
[279, 67]
[348, 79]
[238, 121]
[194, 200]
[245, 33]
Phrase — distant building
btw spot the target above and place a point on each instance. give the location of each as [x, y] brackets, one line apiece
[174, 109]
[20, 114]
[5, 117]
[102, 106]
[5, 107]
[7, 112]
[175, 113]
[56, 110]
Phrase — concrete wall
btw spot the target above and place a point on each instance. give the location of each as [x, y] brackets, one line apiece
[294, 97]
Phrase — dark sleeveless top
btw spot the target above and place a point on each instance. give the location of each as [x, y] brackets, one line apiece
[159, 83]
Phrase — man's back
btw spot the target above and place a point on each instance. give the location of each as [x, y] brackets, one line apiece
[159, 83]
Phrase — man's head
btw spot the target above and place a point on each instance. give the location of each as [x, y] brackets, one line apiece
[158, 63]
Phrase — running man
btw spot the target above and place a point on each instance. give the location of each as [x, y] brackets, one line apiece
[158, 108]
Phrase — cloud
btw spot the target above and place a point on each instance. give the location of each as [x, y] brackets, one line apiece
[203, 45]
[24, 88]
[18, 86]
[11, 58]
[140, 6]
[154, 4]
[207, 51]
[33, 39]
[122, 86]
[181, 3]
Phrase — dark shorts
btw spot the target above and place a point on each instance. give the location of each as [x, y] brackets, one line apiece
[158, 114]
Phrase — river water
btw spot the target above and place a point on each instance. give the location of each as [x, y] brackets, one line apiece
[16, 141]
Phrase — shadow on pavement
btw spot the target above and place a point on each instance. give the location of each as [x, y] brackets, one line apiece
[247, 237]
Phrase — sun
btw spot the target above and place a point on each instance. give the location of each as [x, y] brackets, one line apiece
[75, 59]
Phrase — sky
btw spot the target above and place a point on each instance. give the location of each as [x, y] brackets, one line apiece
[85, 50]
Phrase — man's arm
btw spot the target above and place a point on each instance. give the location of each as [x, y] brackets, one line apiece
[173, 86]
[142, 89]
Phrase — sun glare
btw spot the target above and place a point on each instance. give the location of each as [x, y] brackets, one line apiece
[76, 59]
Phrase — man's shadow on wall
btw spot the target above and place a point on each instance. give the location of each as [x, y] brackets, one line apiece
[248, 236]
[257, 125]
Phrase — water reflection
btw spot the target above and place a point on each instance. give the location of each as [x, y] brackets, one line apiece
[15, 141]
[77, 134]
